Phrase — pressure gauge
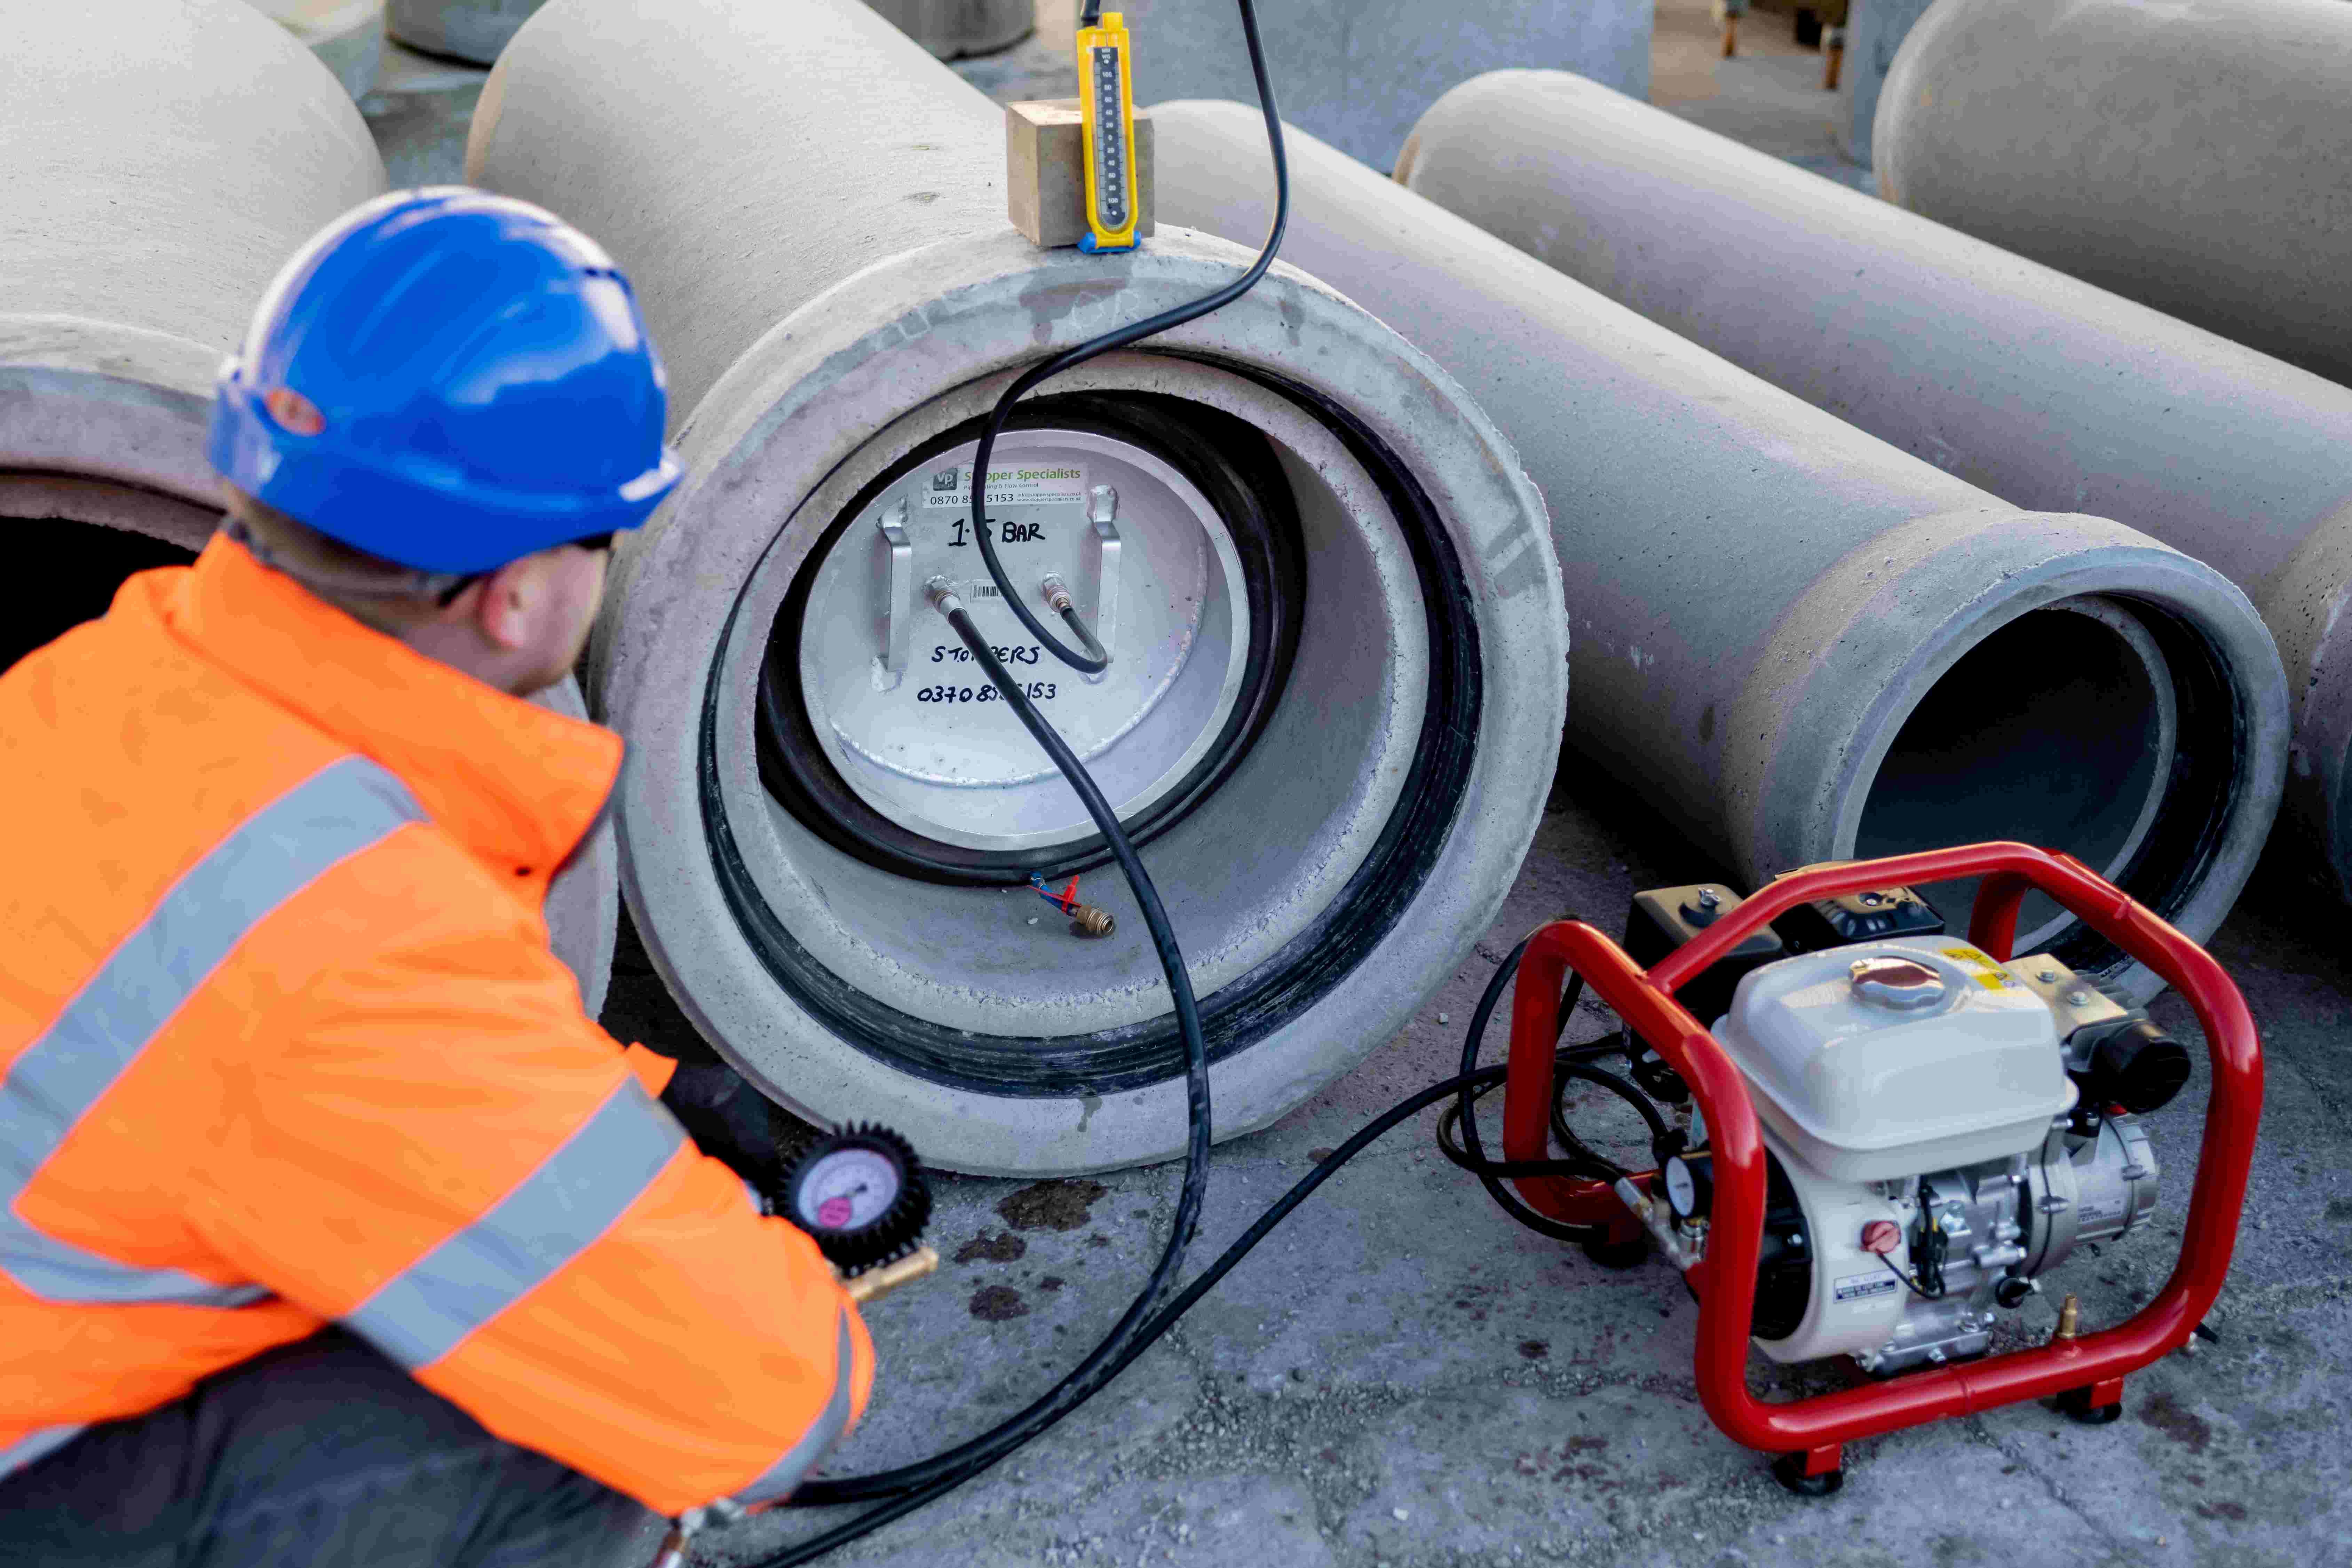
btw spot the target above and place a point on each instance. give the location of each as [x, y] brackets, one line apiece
[1690, 1185]
[860, 1192]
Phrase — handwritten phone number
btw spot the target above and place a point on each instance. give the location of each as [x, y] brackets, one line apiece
[1036, 690]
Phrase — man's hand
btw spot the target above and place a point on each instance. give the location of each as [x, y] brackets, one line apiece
[732, 1122]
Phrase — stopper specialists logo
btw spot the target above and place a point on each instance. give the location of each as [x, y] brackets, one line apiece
[1044, 484]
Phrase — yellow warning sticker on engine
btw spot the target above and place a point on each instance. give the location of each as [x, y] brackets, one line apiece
[1988, 974]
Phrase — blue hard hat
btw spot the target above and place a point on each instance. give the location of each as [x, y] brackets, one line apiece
[449, 380]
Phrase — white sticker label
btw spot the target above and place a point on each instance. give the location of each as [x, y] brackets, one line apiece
[1861, 1287]
[1044, 484]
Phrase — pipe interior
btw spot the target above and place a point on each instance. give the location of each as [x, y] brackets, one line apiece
[81, 566]
[2060, 729]
[999, 958]
[1268, 875]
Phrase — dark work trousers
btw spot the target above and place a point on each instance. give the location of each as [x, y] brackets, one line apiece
[319, 1454]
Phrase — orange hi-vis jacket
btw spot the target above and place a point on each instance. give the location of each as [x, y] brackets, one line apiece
[282, 1044]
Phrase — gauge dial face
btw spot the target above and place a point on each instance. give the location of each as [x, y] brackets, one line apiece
[1682, 1188]
[847, 1189]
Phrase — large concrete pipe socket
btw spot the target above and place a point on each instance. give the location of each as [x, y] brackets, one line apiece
[2194, 155]
[952, 30]
[1798, 642]
[1330, 590]
[2044, 390]
[165, 158]
[463, 29]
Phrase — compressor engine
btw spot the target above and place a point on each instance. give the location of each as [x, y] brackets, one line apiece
[1941, 1129]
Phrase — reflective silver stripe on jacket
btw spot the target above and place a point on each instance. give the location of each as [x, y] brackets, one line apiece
[281, 850]
[785, 1474]
[545, 1220]
[36, 1445]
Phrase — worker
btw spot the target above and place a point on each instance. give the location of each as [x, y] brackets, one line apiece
[335, 1231]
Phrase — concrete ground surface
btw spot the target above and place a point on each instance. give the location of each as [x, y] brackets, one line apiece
[418, 113]
[1768, 96]
[1403, 1376]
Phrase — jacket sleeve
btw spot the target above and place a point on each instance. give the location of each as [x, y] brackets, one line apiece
[438, 1149]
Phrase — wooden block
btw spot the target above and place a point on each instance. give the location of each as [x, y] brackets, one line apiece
[1045, 188]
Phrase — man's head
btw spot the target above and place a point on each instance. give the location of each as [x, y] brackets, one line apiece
[518, 627]
[445, 408]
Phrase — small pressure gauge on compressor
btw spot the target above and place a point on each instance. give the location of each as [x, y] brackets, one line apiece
[860, 1192]
[1689, 1181]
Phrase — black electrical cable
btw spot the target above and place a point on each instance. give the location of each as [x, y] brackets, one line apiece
[953, 1465]
[910, 1486]
[1469, 1087]
[1095, 661]
[1909, 1283]
[1167, 1318]
[1465, 1117]
[1571, 1072]
[1583, 1163]
[1927, 1258]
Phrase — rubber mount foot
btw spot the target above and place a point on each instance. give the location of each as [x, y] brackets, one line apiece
[1789, 1469]
[1618, 1254]
[2075, 1403]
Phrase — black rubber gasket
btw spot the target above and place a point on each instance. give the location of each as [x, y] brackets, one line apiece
[1245, 1010]
[1232, 465]
[2186, 835]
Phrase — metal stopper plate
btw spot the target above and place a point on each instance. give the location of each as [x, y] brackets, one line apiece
[915, 729]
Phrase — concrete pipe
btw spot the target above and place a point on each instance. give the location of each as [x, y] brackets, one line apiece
[1330, 589]
[2196, 155]
[1801, 643]
[2041, 388]
[166, 157]
[583, 901]
[347, 35]
[464, 29]
[952, 30]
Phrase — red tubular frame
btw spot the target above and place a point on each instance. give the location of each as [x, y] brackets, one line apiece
[1726, 1281]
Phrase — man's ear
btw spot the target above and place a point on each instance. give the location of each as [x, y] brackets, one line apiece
[506, 601]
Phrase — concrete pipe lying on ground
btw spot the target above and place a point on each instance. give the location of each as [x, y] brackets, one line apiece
[165, 158]
[1340, 645]
[464, 29]
[952, 30]
[2196, 155]
[2041, 388]
[1799, 643]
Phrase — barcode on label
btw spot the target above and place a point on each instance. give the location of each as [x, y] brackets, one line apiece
[986, 591]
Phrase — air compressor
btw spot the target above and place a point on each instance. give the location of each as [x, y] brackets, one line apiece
[1896, 1135]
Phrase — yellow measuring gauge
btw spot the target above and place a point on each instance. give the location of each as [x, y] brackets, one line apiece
[1106, 113]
